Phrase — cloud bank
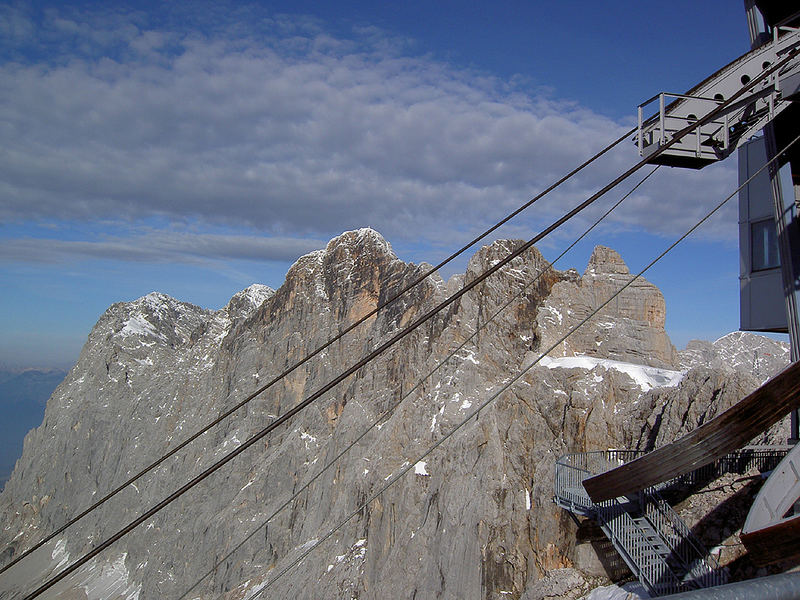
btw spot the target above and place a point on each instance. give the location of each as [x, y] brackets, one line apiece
[273, 124]
[158, 247]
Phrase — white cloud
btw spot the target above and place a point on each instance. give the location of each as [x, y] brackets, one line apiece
[158, 247]
[295, 132]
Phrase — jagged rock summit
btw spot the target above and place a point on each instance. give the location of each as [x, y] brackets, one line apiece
[630, 328]
[739, 350]
[471, 518]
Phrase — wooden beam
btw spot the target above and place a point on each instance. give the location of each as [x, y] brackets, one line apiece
[775, 543]
[727, 432]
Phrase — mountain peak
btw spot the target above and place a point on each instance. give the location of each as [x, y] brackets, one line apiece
[344, 249]
[243, 303]
[740, 351]
[606, 261]
[365, 239]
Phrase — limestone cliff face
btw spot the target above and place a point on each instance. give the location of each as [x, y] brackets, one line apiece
[472, 519]
[631, 328]
[739, 351]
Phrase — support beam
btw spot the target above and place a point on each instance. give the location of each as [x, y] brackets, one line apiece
[727, 432]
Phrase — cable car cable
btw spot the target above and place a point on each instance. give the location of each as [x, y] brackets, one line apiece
[333, 383]
[311, 355]
[383, 416]
[380, 349]
[509, 384]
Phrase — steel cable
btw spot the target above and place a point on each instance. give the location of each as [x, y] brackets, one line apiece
[330, 385]
[383, 416]
[403, 333]
[312, 354]
[511, 382]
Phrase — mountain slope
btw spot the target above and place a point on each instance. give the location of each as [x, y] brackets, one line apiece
[472, 519]
[22, 401]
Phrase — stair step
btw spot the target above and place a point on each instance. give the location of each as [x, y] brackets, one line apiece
[650, 538]
[650, 550]
[658, 550]
[652, 560]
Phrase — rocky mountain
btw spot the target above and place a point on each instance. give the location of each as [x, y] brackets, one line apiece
[473, 518]
[23, 395]
[739, 351]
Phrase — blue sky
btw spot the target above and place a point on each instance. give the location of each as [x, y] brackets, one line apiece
[196, 148]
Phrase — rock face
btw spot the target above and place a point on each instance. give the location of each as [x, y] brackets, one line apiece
[630, 328]
[740, 351]
[23, 396]
[471, 518]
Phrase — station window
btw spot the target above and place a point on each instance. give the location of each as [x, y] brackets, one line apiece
[764, 242]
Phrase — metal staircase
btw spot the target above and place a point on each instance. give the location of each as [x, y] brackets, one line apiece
[655, 543]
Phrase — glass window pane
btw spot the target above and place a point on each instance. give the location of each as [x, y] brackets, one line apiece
[764, 242]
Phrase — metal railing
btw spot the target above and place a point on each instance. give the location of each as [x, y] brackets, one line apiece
[682, 563]
[636, 550]
[761, 458]
[702, 569]
[572, 469]
[717, 138]
[670, 124]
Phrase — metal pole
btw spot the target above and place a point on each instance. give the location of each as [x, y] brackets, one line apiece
[697, 143]
[782, 218]
[641, 139]
[758, 37]
[727, 138]
[794, 434]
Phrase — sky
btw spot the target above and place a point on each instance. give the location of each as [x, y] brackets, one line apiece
[195, 148]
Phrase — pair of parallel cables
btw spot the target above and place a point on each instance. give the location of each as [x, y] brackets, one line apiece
[288, 371]
[474, 414]
[379, 350]
[388, 412]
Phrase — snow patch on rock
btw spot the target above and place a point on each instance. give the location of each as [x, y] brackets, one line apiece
[139, 325]
[645, 377]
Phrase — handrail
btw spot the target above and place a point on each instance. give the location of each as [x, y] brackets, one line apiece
[681, 96]
[710, 142]
[692, 566]
[626, 536]
[699, 564]
[573, 468]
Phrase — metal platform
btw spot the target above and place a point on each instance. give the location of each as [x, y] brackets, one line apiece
[716, 139]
